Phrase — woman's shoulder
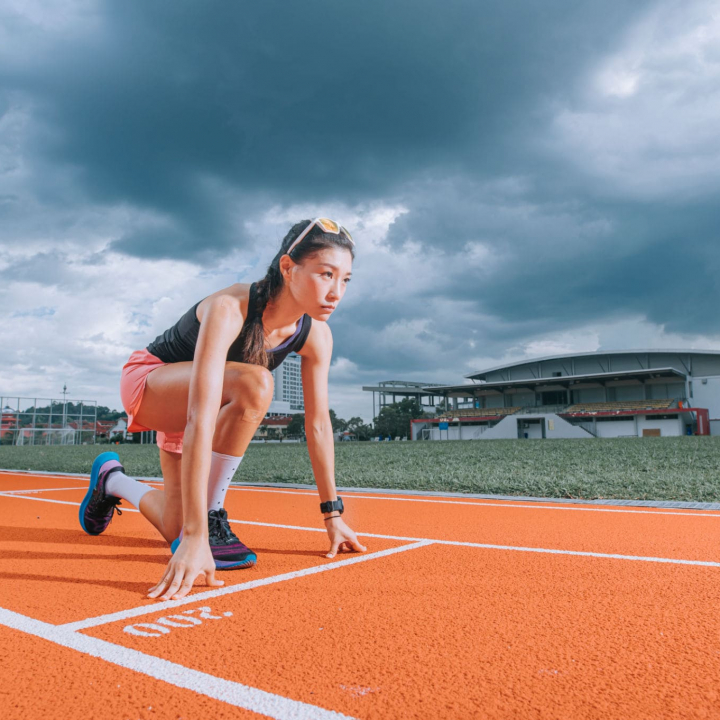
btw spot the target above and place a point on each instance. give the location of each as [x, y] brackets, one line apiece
[318, 341]
[235, 296]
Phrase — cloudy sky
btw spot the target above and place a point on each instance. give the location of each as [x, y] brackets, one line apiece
[522, 178]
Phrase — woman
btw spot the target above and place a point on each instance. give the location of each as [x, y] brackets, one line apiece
[205, 385]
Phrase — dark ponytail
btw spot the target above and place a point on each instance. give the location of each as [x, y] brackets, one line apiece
[252, 336]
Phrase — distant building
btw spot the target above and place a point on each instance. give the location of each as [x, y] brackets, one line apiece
[288, 392]
[391, 391]
[621, 393]
[344, 435]
[120, 426]
[278, 424]
[8, 420]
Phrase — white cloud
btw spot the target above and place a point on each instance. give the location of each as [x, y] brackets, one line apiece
[28, 28]
[343, 369]
[630, 333]
[73, 312]
[646, 122]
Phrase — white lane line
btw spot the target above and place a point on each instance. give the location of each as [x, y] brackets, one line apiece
[231, 589]
[40, 490]
[610, 556]
[460, 543]
[233, 693]
[487, 546]
[481, 503]
[58, 502]
[505, 504]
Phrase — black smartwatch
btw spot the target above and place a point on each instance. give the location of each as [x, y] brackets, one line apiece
[332, 506]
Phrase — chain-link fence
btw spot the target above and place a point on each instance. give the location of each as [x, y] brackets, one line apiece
[46, 421]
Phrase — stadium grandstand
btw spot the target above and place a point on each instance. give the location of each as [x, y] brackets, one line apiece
[388, 391]
[621, 393]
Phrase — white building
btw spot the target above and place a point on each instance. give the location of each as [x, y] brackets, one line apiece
[119, 427]
[288, 393]
[621, 393]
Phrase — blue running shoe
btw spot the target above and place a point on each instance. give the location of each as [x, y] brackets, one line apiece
[227, 550]
[97, 508]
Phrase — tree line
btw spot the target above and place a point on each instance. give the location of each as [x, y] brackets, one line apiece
[393, 421]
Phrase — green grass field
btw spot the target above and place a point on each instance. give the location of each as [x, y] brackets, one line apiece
[683, 468]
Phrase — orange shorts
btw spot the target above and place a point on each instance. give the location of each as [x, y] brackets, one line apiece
[132, 386]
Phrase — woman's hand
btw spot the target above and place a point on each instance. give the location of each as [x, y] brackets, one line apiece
[341, 536]
[192, 558]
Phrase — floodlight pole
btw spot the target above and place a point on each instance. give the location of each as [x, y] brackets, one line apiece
[64, 392]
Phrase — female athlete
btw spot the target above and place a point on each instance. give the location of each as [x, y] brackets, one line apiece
[205, 385]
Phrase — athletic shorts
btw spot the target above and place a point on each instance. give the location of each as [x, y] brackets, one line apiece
[132, 386]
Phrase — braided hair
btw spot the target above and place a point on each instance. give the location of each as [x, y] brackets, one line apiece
[252, 336]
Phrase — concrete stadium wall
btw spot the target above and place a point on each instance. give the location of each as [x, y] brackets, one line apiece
[558, 427]
[555, 427]
[629, 428]
[589, 395]
[494, 401]
[668, 428]
[464, 432]
[616, 428]
[706, 395]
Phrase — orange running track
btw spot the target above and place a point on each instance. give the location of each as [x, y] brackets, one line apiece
[460, 608]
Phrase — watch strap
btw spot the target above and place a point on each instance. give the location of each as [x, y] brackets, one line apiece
[332, 506]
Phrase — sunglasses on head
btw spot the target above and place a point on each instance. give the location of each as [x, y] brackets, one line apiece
[326, 225]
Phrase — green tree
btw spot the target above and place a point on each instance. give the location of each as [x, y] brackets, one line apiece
[338, 424]
[394, 419]
[362, 431]
[296, 428]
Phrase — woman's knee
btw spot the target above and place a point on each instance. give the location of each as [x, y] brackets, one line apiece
[250, 385]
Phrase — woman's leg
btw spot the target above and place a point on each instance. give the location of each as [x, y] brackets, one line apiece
[247, 393]
[164, 508]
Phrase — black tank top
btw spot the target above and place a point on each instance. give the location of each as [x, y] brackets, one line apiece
[177, 344]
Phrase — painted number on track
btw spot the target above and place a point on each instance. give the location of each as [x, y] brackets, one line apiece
[163, 625]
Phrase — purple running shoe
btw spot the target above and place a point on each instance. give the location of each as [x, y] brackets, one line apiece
[97, 508]
[227, 550]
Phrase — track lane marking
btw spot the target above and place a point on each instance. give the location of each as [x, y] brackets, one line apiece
[231, 589]
[57, 502]
[540, 505]
[487, 546]
[39, 490]
[232, 693]
[509, 504]
[403, 538]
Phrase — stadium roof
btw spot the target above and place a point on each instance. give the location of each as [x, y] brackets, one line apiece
[564, 382]
[403, 387]
[596, 353]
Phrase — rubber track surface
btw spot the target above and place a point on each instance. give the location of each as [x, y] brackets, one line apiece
[463, 609]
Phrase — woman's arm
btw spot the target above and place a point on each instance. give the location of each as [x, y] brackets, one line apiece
[315, 367]
[221, 324]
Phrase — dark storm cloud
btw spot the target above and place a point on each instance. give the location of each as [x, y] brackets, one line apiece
[44, 268]
[202, 114]
[657, 261]
[316, 101]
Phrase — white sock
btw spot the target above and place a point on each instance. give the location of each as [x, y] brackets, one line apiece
[127, 488]
[222, 469]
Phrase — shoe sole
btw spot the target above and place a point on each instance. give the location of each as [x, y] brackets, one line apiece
[99, 461]
[249, 561]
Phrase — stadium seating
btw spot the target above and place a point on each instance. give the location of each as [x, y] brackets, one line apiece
[621, 405]
[480, 412]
